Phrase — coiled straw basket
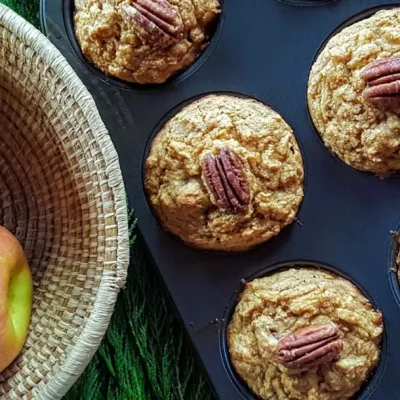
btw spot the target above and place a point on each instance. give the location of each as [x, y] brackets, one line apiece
[62, 195]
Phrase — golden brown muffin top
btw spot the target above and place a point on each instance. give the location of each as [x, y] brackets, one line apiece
[143, 41]
[264, 149]
[361, 134]
[275, 306]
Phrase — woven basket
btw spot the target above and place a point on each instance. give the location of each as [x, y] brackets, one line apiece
[62, 195]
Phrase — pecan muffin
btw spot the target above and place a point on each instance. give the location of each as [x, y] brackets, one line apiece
[143, 41]
[304, 334]
[354, 102]
[225, 173]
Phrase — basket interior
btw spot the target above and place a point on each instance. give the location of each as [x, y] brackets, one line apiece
[55, 197]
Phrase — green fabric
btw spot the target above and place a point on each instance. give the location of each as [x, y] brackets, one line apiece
[145, 354]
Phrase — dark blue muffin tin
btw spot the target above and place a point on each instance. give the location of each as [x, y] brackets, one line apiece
[262, 49]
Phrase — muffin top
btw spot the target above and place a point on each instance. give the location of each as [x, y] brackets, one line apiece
[361, 134]
[278, 316]
[143, 41]
[225, 173]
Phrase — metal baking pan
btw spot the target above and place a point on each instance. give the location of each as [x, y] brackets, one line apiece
[263, 49]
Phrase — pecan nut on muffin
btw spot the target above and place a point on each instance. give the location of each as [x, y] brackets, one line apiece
[304, 334]
[354, 94]
[143, 41]
[225, 173]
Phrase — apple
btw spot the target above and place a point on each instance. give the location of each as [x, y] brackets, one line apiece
[15, 298]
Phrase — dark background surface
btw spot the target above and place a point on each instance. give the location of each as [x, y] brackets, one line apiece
[263, 49]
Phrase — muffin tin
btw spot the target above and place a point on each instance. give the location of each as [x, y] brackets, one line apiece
[262, 49]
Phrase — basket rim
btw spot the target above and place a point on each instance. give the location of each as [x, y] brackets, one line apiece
[96, 326]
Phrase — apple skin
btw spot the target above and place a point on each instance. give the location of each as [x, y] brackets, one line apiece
[15, 298]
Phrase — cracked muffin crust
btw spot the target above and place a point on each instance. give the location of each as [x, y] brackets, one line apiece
[225, 173]
[143, 41]
[362, 135]
[270, 309]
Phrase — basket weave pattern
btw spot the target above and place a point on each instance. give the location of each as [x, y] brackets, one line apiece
[62, 195]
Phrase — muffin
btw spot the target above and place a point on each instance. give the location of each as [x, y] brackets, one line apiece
[304, 334]
[225, 173]
[353, 94]
[143, 41]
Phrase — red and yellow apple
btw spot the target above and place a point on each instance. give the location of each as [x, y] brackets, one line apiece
[15, 298]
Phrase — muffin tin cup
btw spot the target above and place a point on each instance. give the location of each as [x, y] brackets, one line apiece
[365, 391]
[159, 127]
[266, 52]
[350, 21]
[393, 271]
[68, 9]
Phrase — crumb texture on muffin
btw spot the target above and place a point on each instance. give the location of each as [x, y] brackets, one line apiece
[122, 43]
[275, 306]
[362, 135]
[270, 158]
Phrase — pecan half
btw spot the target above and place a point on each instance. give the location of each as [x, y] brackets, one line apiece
[160, 22]
[309, 347]
[383, 84]
[226, 181]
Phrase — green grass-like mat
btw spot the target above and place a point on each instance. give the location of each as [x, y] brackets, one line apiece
[145, 354]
